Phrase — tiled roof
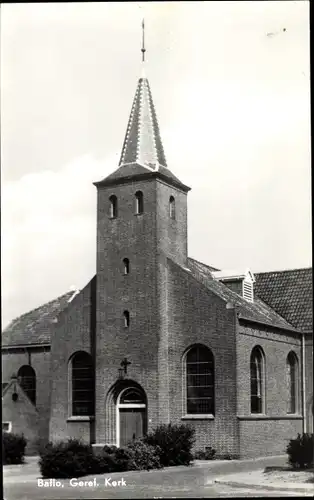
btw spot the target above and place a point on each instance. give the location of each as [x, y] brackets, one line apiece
[142, 143]
[257, 310]
[134, 172]
[290, 293]
[36, 326]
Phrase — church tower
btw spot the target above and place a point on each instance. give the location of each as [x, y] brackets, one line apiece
[141, 221]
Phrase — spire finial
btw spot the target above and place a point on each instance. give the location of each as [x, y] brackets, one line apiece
[143, 41]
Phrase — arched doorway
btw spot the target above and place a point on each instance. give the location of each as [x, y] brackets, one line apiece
[131, 415]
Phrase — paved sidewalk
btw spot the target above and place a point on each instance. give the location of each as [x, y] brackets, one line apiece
[256, 480]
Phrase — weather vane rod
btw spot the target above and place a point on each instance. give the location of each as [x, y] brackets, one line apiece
[143, 41]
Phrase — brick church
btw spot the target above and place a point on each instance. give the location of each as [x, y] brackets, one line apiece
[158, 337]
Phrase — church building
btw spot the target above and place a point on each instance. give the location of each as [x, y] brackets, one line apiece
[158, 337]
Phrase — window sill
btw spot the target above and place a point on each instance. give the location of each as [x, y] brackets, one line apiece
[261, 416]
[198, 417]
[78, 418]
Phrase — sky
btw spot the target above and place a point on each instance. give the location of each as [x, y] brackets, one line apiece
[231, 87]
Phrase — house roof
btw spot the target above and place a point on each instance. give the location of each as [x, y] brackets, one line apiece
[290, 293]
[282, 298]
[256, 311]
[36, 326]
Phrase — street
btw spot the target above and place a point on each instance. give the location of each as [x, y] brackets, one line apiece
[21, 483]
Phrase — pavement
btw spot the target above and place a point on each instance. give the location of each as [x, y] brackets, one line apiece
[254, 480]
[205, 479]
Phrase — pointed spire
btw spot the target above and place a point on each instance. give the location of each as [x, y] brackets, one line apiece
[142, 143]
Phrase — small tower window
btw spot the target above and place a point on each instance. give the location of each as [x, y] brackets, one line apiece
[126, 317]
[172, 207]
[126, 266]
[139, 202]
[113, 208]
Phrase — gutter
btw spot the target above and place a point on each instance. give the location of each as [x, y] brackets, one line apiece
[23, 346]
[260, 322]
[303, 383]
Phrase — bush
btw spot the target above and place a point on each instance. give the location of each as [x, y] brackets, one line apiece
[301, 451]
[67, 459]
[13, 446]
[174, 443]
[144, 456]
[207, 454]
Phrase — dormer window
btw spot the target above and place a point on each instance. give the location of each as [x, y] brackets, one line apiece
[113, 207]
[172, 207]
[239, 282]
[139, 203]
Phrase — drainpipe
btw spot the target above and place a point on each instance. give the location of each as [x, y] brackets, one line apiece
[303, 381]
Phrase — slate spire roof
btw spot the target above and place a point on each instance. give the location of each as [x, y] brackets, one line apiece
[142, 143]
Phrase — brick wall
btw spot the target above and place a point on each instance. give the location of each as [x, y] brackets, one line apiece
[196, 315]
[141, 239]
[73, 333]
[268, 434]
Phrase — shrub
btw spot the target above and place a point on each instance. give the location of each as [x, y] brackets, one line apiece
[144, 456]
[301, 451]
[174, 443]
[67, 459]
[13, 446]
[207, 454]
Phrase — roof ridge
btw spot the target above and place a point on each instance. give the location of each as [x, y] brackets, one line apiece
[285, 270]
[210, 268]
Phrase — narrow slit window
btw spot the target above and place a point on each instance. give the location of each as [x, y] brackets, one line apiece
[113, 207]
[126, 266]
[139, 202]
[126, 317]
[172, 207]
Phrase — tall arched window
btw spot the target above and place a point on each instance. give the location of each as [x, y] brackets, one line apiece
[292, 382]
[200, 387]
[82, 384]
[139, 202]
[172, 207]
[27, 380]
[126, 266]
[126, 318]
[113, 207]
[257, 380]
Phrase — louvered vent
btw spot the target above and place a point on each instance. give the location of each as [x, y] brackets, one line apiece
[248, 291]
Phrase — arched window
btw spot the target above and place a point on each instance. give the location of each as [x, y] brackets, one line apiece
[172, 207]
[126, 317]
[200, 388]
[126, 266]
[27, 380]
[82, 384]
[139, 202]
[257, 366]
[293, 382]
[113, 207]
[132, 396]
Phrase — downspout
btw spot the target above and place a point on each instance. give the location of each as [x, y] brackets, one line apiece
[303, 382]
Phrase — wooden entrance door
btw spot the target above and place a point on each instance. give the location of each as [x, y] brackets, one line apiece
[132, 424]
